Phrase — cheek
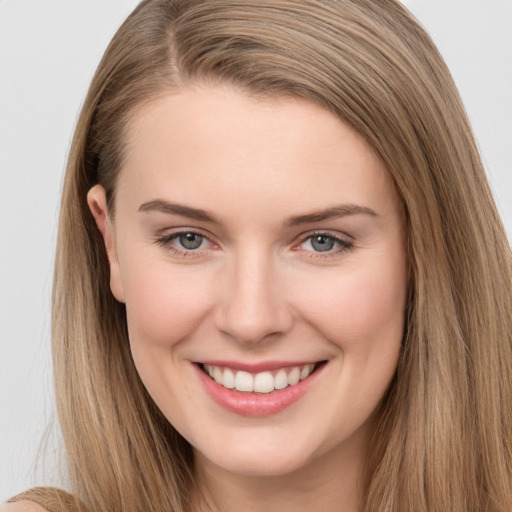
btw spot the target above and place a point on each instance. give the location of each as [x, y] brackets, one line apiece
[362, 309]
[164, 305]
[362, 314]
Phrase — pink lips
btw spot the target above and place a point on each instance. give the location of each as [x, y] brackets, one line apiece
[254, 404]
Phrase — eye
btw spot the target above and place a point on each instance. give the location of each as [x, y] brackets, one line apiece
[190, 241]
[322, 243]
[325, 243]
[185, 243]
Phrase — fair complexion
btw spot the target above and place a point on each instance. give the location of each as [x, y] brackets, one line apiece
[259, 236]
[22, 506]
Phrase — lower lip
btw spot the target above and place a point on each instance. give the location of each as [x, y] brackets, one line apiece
[253, 404]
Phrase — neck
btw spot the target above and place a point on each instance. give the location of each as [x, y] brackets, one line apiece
[331, 482]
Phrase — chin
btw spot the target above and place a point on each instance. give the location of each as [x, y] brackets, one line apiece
[259, 459]
[258, 466]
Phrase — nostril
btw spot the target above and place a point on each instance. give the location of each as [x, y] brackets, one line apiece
[252, 308]
[252, 327]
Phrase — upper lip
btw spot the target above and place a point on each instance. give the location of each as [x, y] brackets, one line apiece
[257, 367]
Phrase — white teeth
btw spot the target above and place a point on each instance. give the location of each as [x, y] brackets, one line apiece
[229, 379]
[294, 376]
[306, 371]
[263, 382]
[217, 374]
[244, 381]
[281, 379]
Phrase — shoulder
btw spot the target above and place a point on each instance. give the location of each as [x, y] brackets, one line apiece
[22, 506]
[43, 499]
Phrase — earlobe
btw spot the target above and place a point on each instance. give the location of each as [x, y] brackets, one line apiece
[97, 201]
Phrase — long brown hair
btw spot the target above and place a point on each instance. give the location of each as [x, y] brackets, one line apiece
[444, 441]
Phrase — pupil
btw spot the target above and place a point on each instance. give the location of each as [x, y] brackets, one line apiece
[191, 240]
[322, 243]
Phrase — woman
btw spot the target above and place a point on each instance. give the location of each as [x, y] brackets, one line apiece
[281, 281]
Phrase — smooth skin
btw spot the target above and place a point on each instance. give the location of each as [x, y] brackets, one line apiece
[247, 284]
[22, 506]
[259, 278]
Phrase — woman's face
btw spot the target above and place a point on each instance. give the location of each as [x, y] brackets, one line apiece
[260, 241]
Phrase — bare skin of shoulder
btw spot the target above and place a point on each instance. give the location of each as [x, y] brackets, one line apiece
[22, 506]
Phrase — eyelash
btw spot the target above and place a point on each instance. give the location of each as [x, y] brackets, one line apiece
[344, 245]
[165, 241]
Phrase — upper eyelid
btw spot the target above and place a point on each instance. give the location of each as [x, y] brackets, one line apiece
[167, 233]
[343, 238]
[337, 236]
[166, 242]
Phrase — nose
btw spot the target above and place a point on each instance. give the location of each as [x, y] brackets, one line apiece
[253, 306]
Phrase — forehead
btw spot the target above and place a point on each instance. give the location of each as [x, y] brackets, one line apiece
[221, 144]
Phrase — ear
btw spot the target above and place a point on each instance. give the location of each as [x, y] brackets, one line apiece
[97, 201]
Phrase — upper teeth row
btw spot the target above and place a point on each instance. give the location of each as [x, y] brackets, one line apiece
[264, 382]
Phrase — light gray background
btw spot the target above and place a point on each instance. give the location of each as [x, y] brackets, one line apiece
[48, 52]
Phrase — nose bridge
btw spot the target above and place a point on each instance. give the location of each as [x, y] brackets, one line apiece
[253, 304]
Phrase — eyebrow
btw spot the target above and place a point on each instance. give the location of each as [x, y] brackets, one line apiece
[330, 213]
[160, 205]
[333, 212]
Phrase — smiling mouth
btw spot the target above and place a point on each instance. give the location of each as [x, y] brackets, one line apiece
[262, 382]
